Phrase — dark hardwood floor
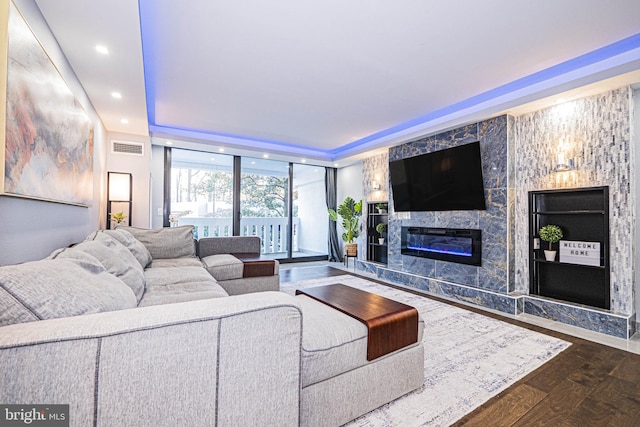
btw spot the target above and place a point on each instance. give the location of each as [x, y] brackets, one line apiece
[589, 384]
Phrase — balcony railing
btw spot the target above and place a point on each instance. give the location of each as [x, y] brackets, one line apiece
[273, 232]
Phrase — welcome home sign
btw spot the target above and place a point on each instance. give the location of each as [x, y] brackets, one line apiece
[576, 252]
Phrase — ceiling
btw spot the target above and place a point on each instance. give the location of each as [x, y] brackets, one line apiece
[331, 80]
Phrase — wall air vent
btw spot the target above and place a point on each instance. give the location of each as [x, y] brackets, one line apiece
[126, 147]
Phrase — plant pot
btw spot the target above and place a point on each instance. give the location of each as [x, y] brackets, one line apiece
[381, 240]
[351, 249]
[550, 255]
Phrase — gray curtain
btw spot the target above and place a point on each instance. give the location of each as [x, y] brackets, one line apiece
[335, 249]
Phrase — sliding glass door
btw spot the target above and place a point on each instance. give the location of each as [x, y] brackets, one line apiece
[221, 195]
[264, 204]
[202, 192]
[310, 216]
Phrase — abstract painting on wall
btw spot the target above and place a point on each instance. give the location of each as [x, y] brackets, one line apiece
[48, 146]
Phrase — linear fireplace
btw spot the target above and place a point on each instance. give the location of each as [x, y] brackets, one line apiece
[446, 244]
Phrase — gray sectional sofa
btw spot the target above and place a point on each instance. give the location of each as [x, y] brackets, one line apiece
[131, 328]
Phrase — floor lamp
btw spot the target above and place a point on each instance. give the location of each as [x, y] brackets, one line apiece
[119, 206]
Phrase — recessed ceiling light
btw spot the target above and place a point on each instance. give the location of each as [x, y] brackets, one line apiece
[102, 49]
[169, 142]
[335, 165]
[124, 121]
[213, 158]
[266, 156]
[221, 150]
[304, 160]
[116, 95]
[253, 163]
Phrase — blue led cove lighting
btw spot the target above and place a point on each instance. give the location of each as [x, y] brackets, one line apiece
[152, 52]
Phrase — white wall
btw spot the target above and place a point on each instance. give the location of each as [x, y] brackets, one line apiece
[140, 169]
[31, 229]
[350, 184]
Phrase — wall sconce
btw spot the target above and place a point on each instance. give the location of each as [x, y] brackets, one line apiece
[119, 198]
[564, 162]
[375, 185]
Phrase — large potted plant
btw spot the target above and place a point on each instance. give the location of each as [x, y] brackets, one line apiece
[350, 212]
[552, 234]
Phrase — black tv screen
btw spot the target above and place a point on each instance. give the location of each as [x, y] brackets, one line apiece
[445, 180]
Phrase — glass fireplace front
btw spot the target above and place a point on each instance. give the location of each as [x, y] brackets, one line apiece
[445, 244]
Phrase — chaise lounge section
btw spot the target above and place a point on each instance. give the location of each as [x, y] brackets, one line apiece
[127, 335]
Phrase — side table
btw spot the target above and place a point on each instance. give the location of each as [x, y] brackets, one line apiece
[345, 260]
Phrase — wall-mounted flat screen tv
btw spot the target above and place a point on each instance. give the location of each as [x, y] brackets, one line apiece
[445, 180]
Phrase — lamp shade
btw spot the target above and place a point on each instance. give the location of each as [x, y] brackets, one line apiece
[119, 186]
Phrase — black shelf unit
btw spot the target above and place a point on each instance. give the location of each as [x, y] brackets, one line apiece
[583, 215]
[376, 252]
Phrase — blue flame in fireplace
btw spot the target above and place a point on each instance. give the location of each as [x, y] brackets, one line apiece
[460, 252]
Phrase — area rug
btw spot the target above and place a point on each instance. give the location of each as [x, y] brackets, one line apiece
[469, 358]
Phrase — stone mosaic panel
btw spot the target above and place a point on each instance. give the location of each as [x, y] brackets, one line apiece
[374, 169]
[511, 203]
[596, 132]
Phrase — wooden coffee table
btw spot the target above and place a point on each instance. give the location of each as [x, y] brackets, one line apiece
[391, 325]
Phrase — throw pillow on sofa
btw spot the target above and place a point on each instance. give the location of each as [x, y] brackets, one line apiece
[52, 288]
[115, 258]
[134, 245]
[163, 243]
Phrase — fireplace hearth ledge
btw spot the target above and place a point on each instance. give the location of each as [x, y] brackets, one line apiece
[589, 318]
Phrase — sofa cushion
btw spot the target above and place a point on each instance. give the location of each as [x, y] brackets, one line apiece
[115, 258]
[179, 284]
[163, 243]
[332, 342]
[137, 249]
[224, 266]
[52, 288]
[176, 262]
[172, 275]
[181, 292]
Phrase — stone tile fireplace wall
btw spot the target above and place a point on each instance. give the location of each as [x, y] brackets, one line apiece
[519, 155]
[494, 272]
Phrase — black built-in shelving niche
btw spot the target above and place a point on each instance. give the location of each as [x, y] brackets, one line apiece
[376, 252]
[583, 215]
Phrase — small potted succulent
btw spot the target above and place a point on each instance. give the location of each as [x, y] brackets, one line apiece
[381, 229]
[552, 234]
[118, 217]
